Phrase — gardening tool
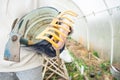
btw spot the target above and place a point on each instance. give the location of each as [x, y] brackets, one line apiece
[38, 22]
[13, 42]
[57, 32]
[24, 30]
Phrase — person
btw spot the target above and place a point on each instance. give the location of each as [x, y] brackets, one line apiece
[29, 67]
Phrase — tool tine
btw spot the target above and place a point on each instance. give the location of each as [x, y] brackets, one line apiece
[14, 23]
[26, 27]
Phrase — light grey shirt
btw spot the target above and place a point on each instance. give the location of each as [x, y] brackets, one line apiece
[9, 11]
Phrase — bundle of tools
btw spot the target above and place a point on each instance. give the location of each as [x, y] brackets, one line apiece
[43, 34]
[55, 35]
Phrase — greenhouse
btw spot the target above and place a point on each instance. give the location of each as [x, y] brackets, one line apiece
[79, 39]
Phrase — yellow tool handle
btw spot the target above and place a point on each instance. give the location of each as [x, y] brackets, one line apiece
[53, 23]
[49, 40]
[58, 29]
[68, 12]
[55, 36]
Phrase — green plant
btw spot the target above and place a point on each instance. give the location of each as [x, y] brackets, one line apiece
[105, 65]
[95, 53]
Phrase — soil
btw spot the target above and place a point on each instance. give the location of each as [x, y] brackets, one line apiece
[90, 60]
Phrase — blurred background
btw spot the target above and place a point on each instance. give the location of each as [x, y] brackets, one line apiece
[97, 26]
